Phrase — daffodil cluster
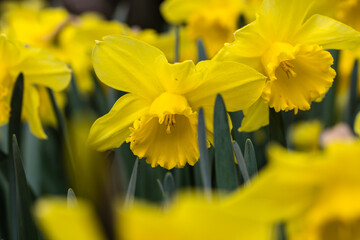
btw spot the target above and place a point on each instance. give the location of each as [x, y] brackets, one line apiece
[240, 120]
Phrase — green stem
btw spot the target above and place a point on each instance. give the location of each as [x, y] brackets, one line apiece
[276, 127]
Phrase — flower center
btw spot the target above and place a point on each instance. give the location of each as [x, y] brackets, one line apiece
[169, 121]
[288, 68]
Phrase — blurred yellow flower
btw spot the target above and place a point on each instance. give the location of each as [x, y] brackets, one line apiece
[288, 48]
[77, 40]
[166, 43]
[334, 211]
[60, 220]
[35, 27]
[213, 21]
[315, 194]
[39, 68]
[305, 135]
[68, 37]
[190, 216]
[159, 114]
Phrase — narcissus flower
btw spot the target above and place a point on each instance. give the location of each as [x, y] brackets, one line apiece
[35, 27]
[289, 48]
[315, 194]
[158, 116]
[213, 21]
[68, 37]
[40, 69]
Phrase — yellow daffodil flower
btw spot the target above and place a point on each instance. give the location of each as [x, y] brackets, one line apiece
[213, 21]
[158, 116]
[189, 217]
[289, 48]
[315, 194]
[40, 69]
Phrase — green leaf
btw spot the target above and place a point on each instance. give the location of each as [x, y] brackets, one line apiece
[250, 158]
[241, 162]
[201, 52]
[3, 156]
[276, 127]
[22, 223]
[130, 193]
[4, 204]
[169, 186]
[16, 107]
[329, 115]
[225, 172]
[204, 161]
[63, 131]
[161, 188]
[71, 198]
[74, 98]
[99, 97]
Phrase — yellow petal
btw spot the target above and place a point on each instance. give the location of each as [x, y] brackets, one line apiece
[209, 123]
[42, 68]
[279, 19]
[129, 65]
[10, 53]
[255, 116]
[177, 78]
[209, 220]
[31, 103]
[178, 11]
[328, 33]
[111, 130]
[249, 42]
[239, 85]
[59, 221]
